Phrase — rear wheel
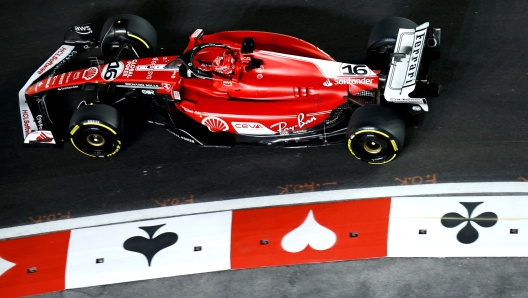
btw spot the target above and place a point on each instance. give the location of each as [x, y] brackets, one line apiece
[96, 130]
[383, 38]
[375, 134]
[128, 28]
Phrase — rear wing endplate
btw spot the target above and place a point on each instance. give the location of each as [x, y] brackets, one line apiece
[404, 66]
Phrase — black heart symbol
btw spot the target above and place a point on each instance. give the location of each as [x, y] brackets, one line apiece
[149, 247]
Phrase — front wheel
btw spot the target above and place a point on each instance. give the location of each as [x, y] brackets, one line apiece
[375, 134]
[131, 29]
[96, 130]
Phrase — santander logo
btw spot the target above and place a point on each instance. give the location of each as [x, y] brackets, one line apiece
[352, 81]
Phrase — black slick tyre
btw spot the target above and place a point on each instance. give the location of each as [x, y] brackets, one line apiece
[96, 130]
[130, 28]
[375, 134]
[382, 39]
[385, 31]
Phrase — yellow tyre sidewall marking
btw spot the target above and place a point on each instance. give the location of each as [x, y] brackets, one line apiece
[91, 122]
[350, 148]
[383, 162]
[374, 131]
[392, 141]
[73, 143]
[140, 39]
[74, 129]
[118, 147]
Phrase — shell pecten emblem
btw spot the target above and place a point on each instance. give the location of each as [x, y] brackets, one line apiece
[215, 124]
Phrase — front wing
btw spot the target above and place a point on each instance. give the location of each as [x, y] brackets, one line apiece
[35, 120]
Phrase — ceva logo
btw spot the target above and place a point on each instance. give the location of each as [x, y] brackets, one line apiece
[252, 128]
[249, 125]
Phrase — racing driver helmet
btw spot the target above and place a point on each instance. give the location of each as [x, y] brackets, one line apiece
[224, 64]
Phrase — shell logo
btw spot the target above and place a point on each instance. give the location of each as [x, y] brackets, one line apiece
[215, 124]
[90, 73]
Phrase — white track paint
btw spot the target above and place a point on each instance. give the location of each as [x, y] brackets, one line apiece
[5, 265]
[309, 233]
[212, 232]
[408, 215]
[268, 201]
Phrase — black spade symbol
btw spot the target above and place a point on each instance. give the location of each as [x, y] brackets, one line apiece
[468, 234]
[151, 246]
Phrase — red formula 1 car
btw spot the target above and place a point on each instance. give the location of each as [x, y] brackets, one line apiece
[229, 88]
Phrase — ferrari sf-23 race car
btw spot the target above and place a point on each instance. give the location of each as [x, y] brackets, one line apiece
[227, 88]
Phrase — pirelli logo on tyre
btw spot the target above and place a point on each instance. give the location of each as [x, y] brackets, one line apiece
[97, 123]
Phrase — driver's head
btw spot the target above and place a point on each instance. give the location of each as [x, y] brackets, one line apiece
[224, 64]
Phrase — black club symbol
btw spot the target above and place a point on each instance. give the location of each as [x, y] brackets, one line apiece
[469, 234]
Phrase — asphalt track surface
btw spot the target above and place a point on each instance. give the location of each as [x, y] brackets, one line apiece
[475, 132]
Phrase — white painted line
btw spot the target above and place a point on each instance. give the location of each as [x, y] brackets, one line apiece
[442, 227]
[175, 256]
[266, 201]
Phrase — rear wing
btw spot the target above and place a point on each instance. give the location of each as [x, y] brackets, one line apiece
[405, 63]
